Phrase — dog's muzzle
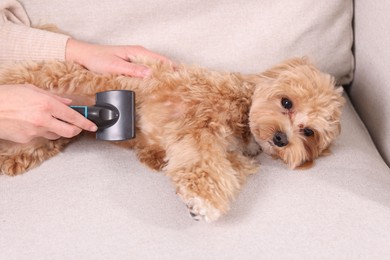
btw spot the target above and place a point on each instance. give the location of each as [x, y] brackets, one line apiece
[280, 139]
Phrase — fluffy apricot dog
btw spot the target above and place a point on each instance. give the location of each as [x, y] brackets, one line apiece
[203, 128]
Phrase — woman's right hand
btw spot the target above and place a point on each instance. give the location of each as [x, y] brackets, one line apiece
[27, 112]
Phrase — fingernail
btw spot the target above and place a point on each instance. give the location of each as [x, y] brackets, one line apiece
[93, 128]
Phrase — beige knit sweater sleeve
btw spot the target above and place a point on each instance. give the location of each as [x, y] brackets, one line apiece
[18, 41]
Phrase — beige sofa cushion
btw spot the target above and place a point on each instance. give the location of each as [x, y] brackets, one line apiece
[96, 201]
[370, 92]
[245, 36]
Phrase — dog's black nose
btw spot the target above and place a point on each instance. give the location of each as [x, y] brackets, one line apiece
[280, 139]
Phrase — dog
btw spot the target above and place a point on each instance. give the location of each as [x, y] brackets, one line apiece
[203, 128]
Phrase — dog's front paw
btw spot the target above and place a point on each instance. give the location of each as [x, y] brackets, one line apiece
[206, 195]
[200, 209]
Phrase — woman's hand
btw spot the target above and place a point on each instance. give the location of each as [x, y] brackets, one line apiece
[27, 112]
[110, 59]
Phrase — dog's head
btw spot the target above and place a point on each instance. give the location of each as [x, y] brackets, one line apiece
[295, 112]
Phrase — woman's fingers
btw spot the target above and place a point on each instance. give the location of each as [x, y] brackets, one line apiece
[66, 120]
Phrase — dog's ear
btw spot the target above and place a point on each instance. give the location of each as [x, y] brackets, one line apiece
[326, 152]
[308, 164]
[287, 65]
[304, 166]
[275, 71]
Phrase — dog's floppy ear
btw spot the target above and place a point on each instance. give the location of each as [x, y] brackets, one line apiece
[275, 71]
[308, 164]
[284, 66]
[304, 166]
[326, 152]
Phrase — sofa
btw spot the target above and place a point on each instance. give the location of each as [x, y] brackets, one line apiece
[96, 201]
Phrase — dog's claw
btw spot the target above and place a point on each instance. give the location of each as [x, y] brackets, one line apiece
[195, 216]
[202, 210]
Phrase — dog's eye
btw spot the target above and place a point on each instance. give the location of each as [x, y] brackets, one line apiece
[308, 132]
[287, 103]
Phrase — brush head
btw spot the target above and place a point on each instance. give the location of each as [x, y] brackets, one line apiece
[118, 109]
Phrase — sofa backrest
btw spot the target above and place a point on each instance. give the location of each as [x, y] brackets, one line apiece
[370, 91]
[245, 36]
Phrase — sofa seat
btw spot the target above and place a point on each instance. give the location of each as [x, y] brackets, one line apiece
[104, 204]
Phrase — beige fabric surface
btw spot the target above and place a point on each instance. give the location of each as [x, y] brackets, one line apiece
[245, 36]
[96, 201]
[370, 92]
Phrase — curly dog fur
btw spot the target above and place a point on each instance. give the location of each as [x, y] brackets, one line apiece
[202, 127]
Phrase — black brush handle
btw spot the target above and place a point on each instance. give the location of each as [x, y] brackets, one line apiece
[102, 115]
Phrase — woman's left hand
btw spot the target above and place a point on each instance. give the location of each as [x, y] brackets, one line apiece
[114, 59]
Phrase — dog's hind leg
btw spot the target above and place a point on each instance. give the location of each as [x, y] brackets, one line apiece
[18, 158]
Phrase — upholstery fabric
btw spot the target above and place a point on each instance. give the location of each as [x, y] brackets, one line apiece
[96, 201]
[370, 92]
[243, 36]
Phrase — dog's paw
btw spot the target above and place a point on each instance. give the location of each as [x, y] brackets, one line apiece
[252, 149]
[13, 165]
[200, 209]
